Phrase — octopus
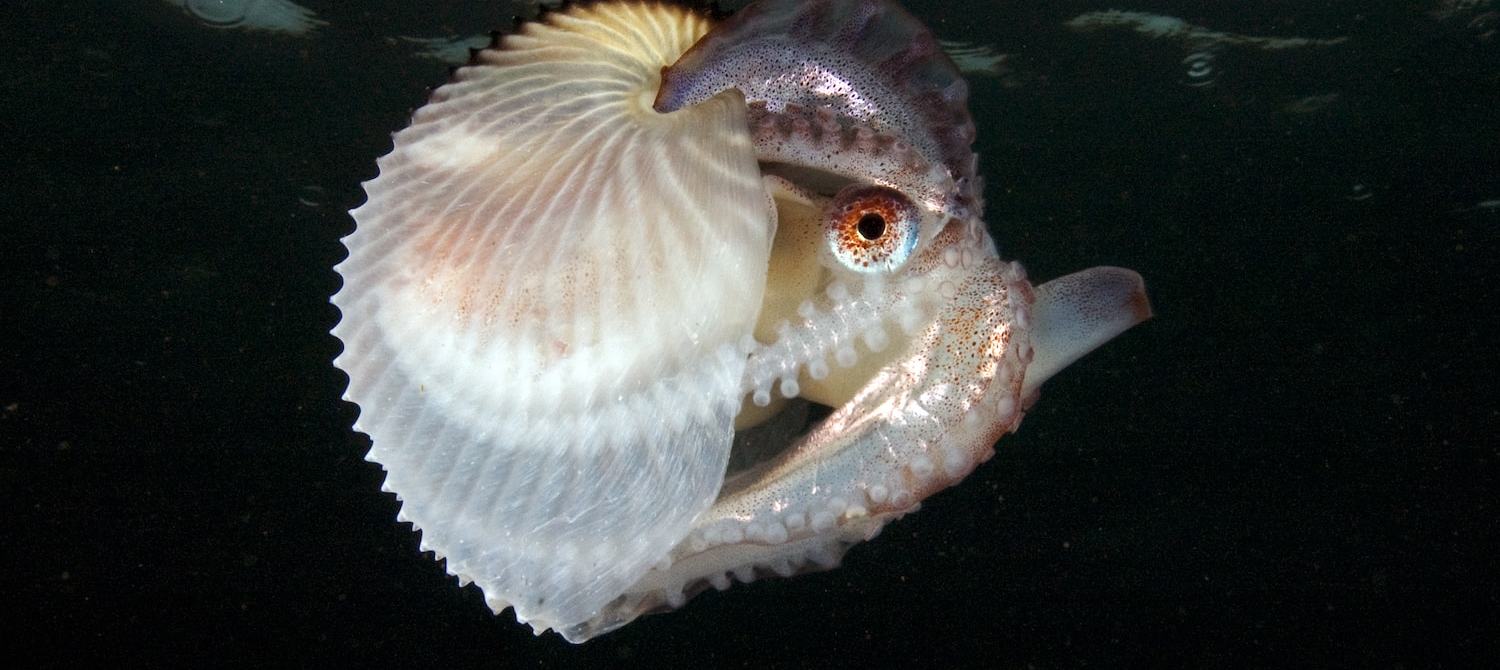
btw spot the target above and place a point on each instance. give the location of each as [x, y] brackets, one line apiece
[645, 302]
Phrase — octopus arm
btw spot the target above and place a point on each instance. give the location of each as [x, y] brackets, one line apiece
[1076, 313]
[867, 69]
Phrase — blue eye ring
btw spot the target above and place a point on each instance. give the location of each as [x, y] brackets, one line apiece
[871, 229]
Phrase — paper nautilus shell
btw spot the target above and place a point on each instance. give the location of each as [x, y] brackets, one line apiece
[642, 302]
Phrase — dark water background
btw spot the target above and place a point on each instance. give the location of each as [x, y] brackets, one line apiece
[1294, 463]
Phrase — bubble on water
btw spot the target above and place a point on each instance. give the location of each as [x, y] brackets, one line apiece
[1308, 104]
[1484, 26]
[1200, 68]
[312, 195]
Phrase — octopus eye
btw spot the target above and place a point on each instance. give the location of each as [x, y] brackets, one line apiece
[871, 228]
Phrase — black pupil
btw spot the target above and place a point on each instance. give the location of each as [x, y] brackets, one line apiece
[871, 226]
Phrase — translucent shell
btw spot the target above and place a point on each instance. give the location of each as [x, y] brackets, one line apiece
[543, 304]
[871, 229]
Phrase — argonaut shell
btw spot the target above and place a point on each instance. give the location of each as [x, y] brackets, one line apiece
[586, 311]
[543, 305]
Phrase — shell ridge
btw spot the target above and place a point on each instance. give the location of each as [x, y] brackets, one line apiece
[549, 378]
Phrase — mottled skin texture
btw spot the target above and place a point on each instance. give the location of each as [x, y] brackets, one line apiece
[923, 359]
[925, 411]
[920, 355]
[866, 62]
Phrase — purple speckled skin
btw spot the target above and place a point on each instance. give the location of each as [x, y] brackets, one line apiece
[874, 66]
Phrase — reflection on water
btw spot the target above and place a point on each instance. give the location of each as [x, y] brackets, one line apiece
[1199, 69]
[452, 50]
[281, 16]
[1156, 26]
[979, 60]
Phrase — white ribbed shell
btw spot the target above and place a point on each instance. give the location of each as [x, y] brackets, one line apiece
[541, 308]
